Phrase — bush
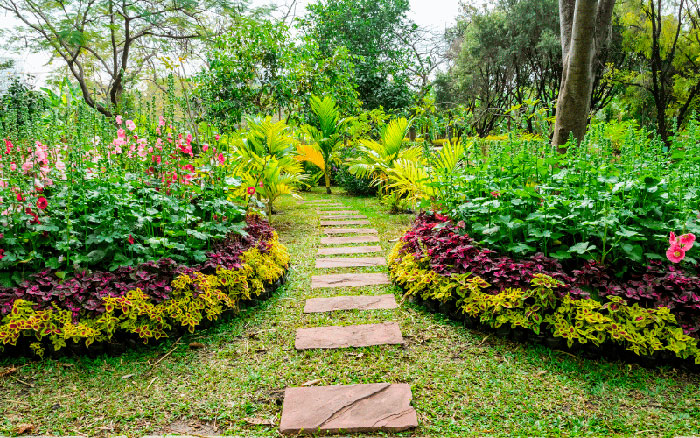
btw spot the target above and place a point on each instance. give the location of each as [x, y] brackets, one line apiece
[437, 260]
[353, 184]
[147, 301]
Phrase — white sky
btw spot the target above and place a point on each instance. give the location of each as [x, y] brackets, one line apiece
[433, 14]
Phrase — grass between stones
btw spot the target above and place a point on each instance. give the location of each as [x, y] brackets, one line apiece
[464, 382]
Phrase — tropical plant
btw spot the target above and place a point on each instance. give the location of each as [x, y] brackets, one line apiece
[265, 159]
[326, 135]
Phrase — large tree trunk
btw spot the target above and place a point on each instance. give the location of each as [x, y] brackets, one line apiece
[585, 29]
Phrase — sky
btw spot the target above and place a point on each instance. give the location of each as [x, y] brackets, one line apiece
[433, 14]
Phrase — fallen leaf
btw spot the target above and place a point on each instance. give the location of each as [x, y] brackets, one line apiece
[128, 376]
[196, 345]
[311, 382]
[24, 428]
[259, 421]
[7, 371]
[540, 373]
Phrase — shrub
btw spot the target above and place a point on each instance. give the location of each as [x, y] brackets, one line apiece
[147, 301]
[438, 261]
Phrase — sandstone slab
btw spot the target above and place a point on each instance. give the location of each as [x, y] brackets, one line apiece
[349, 250]
[349, 262]
[350, 231]
[364, 335]
[348, 239]
[349, 280]
[372, 407]
[345, 216]
[353, 222]
[344, 212]
[350, 302]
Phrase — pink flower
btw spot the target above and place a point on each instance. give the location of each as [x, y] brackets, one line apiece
[119, 120]
[41, 203]
[2, 253]
[13, 166]
[130, 125]
[19, 197]
[161, 121]
[188, 140]
[205, 147]
[261, 184]
[685, 241]
[8, 146]
[495, 194]
[675, 253]
[60, 166]
[251, 190]
[131, 239]
[121, 133]
[217, 137]
[221, 158]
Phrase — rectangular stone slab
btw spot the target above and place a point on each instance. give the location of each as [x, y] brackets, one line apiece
[349, 250]
[350, 231]
[364, 335]
[332, 223]
[348, 239]
[349, 262]
[374, 407]
[349, 280]
[345, 216]
[350, 302]
[338, 212]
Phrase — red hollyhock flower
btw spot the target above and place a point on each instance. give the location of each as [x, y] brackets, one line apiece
[42, 203]
[131, 239]
[251, 190]
[2, 254]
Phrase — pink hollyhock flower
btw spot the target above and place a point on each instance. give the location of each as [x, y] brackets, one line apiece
[8, 146]
[675, 253]
[495, 194]
[217, 137]
[60, 165]
[121, 133]
[221, 158]
[119, 120]
[19, 197]
[13, 166]
[130, 125]
[27, 166]
[117, 150]
[2, 253]
[205, 147]
[131, 239]
[158, 130]
[188, 167]
[188, 140]
[161, 121]
[685, 241]
[42, 203]
[251, 190]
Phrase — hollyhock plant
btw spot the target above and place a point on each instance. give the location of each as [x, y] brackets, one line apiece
[251, 190]
[42, 203]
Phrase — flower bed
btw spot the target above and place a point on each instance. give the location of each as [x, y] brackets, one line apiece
[145, 302]
[437, 262]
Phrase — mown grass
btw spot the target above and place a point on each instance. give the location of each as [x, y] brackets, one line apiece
[465, 383]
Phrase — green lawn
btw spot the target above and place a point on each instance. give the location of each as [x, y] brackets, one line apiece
[465, 383]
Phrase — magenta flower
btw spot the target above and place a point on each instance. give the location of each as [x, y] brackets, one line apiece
[217, 137]
[251, 190]
[42, 203]
[675, 253]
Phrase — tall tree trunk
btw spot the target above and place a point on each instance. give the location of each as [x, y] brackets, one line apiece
[585, 29]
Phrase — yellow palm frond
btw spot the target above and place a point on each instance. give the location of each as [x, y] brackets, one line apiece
[311, 154]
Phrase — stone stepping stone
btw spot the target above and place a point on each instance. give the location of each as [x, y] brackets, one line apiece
[323, 202]
[344, 212]
[349, 280]
[350, 262]
[374, 407]
[345, 216]
[364, 335]
[350, 302]
[331, 223]
[349, 250]
[348, 239]
[350, 231]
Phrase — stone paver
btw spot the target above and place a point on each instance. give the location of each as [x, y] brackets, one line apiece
[372, 407]
[349, 262]
[349, 250]
[350, 302]
[345, 216]
[337, 212]
[350, 231]
[332, 223]
[363, 335]
[349, 280]
[348, 239]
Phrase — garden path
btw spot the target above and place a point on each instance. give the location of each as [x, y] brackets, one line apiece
[369, 407]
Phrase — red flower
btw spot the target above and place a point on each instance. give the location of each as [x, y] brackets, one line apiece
[131, 239]
[19, 197]
[2, 254]
[41, 203]
[251, 190]
[495, 194]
